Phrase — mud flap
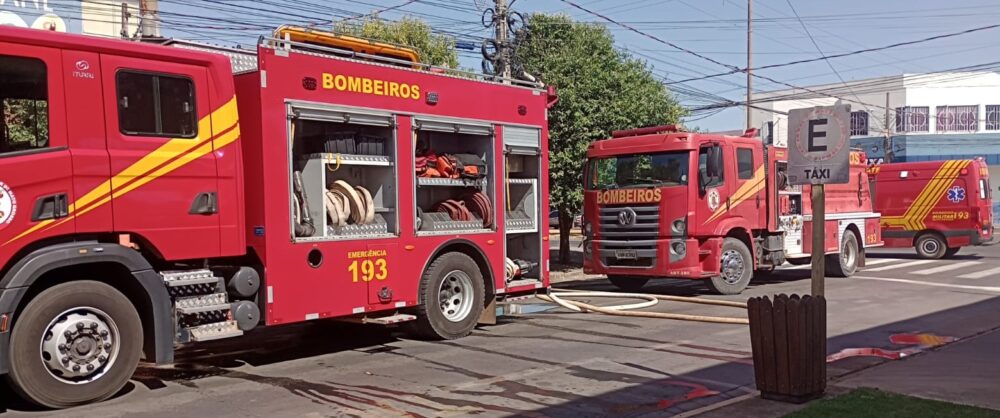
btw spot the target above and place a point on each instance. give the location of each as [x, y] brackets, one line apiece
[489, 315]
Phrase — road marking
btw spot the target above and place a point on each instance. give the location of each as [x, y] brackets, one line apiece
[872, 262]
[933, 284]
[980, 274]
[946, 267]
[901, 265]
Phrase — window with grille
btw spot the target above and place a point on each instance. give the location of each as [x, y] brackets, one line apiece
[957, 118]
[912, 119]
[859, 123]
[993, 117]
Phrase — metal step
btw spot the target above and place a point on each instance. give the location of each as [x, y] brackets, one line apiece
[188, 278]
[202, 303]
[215, 331]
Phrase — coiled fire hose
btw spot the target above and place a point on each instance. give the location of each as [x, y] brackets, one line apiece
[558, 296]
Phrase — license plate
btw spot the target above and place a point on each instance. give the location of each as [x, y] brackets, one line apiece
[626, 254]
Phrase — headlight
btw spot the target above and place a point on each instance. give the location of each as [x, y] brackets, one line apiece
[678, 247]
[679, 226]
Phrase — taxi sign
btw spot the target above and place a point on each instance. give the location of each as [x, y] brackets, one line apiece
[819, 145]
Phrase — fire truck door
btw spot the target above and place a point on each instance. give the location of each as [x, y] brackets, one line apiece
[163, 170]
[749, 199]
[713, 188]
[35, 168]
[383, 287]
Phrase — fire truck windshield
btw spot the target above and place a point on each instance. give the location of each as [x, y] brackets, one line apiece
[638, 170]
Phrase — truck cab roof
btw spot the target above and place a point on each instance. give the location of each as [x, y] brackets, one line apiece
[662, 138]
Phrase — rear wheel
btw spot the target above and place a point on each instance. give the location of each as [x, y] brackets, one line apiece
[736, 269]
[931, 245]
[630, 284]
[75, 343]
[844, 264]
[452, 290]
[951, 252]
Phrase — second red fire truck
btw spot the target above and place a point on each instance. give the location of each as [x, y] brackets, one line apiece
[660, 202]
[150, 196]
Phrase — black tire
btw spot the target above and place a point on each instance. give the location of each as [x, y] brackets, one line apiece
[951, 252]
[734, 278]
[432, 322]
[931, 246]
[631, 284]
[30, 375]
[844, 263]
[799, 261]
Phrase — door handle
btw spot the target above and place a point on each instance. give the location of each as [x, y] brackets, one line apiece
[53, 206]
[205, 203]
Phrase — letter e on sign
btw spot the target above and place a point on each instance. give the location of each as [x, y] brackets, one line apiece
[819, 145]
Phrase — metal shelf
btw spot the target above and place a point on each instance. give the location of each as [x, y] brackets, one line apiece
[440, 181]
[519, 225]
[354, 159]
[522, 181]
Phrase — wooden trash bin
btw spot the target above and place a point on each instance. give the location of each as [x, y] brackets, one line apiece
[788, 338]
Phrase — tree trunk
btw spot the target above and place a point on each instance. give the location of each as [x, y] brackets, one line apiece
[565, 226]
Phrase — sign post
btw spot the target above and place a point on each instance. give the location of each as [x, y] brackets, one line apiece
[818, 154]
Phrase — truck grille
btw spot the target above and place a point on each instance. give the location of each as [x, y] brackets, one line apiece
[639, 236]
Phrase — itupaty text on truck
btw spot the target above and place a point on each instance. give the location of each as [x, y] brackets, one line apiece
[150, 196]
[937, 207]
[661, 202]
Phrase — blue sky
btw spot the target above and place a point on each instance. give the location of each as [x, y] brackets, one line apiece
[714, 28]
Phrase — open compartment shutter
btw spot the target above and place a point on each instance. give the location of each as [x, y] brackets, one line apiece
[337, 116]
[523, 141]
[450, 127]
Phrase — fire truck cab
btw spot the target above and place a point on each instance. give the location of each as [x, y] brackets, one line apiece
[660, 202]
[154, 195]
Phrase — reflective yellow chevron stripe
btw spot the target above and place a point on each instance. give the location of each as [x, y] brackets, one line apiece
[913, 218]
[216, 130]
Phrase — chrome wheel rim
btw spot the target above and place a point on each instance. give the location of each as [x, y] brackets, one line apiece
[80, 345]
[455, 295]
[849, 254]
[732, 266]
[930, 246]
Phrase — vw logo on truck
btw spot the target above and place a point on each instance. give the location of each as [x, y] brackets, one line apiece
[626, 217]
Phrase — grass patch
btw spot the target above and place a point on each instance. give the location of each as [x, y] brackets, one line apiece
[875, 403]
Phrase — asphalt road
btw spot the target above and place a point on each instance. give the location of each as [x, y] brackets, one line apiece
[551, 362]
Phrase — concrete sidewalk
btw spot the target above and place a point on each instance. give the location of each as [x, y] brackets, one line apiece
[964, 372]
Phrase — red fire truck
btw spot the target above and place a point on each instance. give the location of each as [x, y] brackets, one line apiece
[660, 202]
[150, 196]
[938, 207]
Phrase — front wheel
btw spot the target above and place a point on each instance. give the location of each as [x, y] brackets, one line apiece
[75, 343]
[844, 264]
[736, 269]
[628, 283]
[452, 291]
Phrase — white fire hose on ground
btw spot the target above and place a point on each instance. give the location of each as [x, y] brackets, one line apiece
[557, 296]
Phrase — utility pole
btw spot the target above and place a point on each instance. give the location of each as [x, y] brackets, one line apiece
[749, 58]
[125, 16]
[887, 145]
[503, 45]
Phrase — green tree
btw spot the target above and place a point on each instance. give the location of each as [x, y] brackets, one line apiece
[600, 89]
[433, 48]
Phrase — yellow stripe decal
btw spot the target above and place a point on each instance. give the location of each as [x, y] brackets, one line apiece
[748, 189]
[174, 154]
[913, 218]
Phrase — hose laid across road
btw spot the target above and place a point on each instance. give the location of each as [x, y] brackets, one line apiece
[557, 296]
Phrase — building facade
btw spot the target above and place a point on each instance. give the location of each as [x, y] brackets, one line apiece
[98, 17]
[923, 116]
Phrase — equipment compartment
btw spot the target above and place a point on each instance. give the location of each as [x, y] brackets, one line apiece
[524, 246]
[454, 167]
[348, 175]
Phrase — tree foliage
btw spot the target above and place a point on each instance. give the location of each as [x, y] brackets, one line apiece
[600, 89]
[433, 48]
